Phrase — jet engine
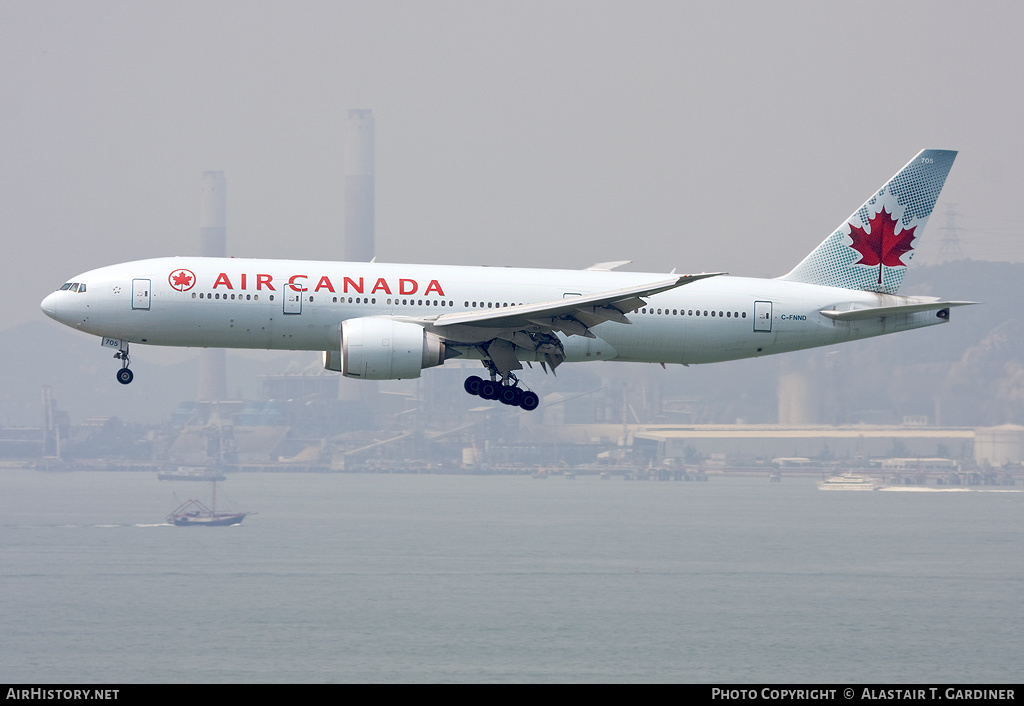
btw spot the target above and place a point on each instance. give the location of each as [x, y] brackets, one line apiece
[378, 348]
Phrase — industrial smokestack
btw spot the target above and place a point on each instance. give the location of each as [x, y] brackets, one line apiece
[213, 216]
[357, 243]
[213, 243]
[359, 176]
[797, 400]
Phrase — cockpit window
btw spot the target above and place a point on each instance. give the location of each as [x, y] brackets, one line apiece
[81, 287]
[74, 287]
[66, 285]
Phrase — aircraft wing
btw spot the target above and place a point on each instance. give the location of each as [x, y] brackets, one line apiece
[501, 334]
[572, 315]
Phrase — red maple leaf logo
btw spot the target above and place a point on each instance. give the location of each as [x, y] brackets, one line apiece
[182, 280]
[883, 245]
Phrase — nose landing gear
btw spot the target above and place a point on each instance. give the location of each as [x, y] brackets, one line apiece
[508, 393]
[124, 375]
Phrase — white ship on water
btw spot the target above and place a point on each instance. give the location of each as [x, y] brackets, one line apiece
[853, 481]
[849, 481]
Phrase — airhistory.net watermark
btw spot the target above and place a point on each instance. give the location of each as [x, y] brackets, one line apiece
[62, 694]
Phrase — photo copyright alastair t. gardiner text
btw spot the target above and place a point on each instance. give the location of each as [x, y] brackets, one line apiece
[865, 693]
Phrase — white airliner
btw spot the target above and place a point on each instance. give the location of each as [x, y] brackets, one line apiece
[378, 321]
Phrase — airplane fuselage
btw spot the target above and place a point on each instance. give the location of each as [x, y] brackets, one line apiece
[299, 305]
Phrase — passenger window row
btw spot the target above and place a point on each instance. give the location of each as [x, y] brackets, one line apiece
[695, 312]
[490, 305]
[334, 300]
[80, 287]
[218, 295]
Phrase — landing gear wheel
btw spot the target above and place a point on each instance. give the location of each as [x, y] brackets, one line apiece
[530, 401]
[506, 390]
[511, 396]
[490, 390]
[472, 385]
[124, 375]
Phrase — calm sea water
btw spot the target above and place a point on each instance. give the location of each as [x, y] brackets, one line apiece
[399, 578]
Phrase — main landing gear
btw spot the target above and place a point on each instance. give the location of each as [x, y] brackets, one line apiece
[505, 392]
[124, 375]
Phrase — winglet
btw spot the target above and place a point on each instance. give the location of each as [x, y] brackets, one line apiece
[608, 266]
[687, 279]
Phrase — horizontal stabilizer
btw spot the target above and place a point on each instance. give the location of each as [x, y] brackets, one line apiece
[880, 311]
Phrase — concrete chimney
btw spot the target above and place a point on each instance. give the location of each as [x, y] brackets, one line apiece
[213, 216]
[797, 400]
[213, 243]
[359, 177]
[358, 240]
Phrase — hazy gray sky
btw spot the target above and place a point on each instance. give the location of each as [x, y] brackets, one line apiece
[700, 136]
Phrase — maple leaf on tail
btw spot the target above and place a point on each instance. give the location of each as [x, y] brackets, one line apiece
[883, 245]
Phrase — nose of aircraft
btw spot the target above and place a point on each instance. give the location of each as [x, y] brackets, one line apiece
[49, 305]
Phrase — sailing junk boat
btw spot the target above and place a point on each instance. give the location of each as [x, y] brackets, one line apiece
[193, 513]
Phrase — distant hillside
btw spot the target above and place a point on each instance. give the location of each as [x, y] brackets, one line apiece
[972, 368]
[967, 372]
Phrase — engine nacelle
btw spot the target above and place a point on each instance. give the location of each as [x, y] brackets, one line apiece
[378, 348]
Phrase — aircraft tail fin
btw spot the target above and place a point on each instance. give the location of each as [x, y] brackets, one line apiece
[870, 251]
